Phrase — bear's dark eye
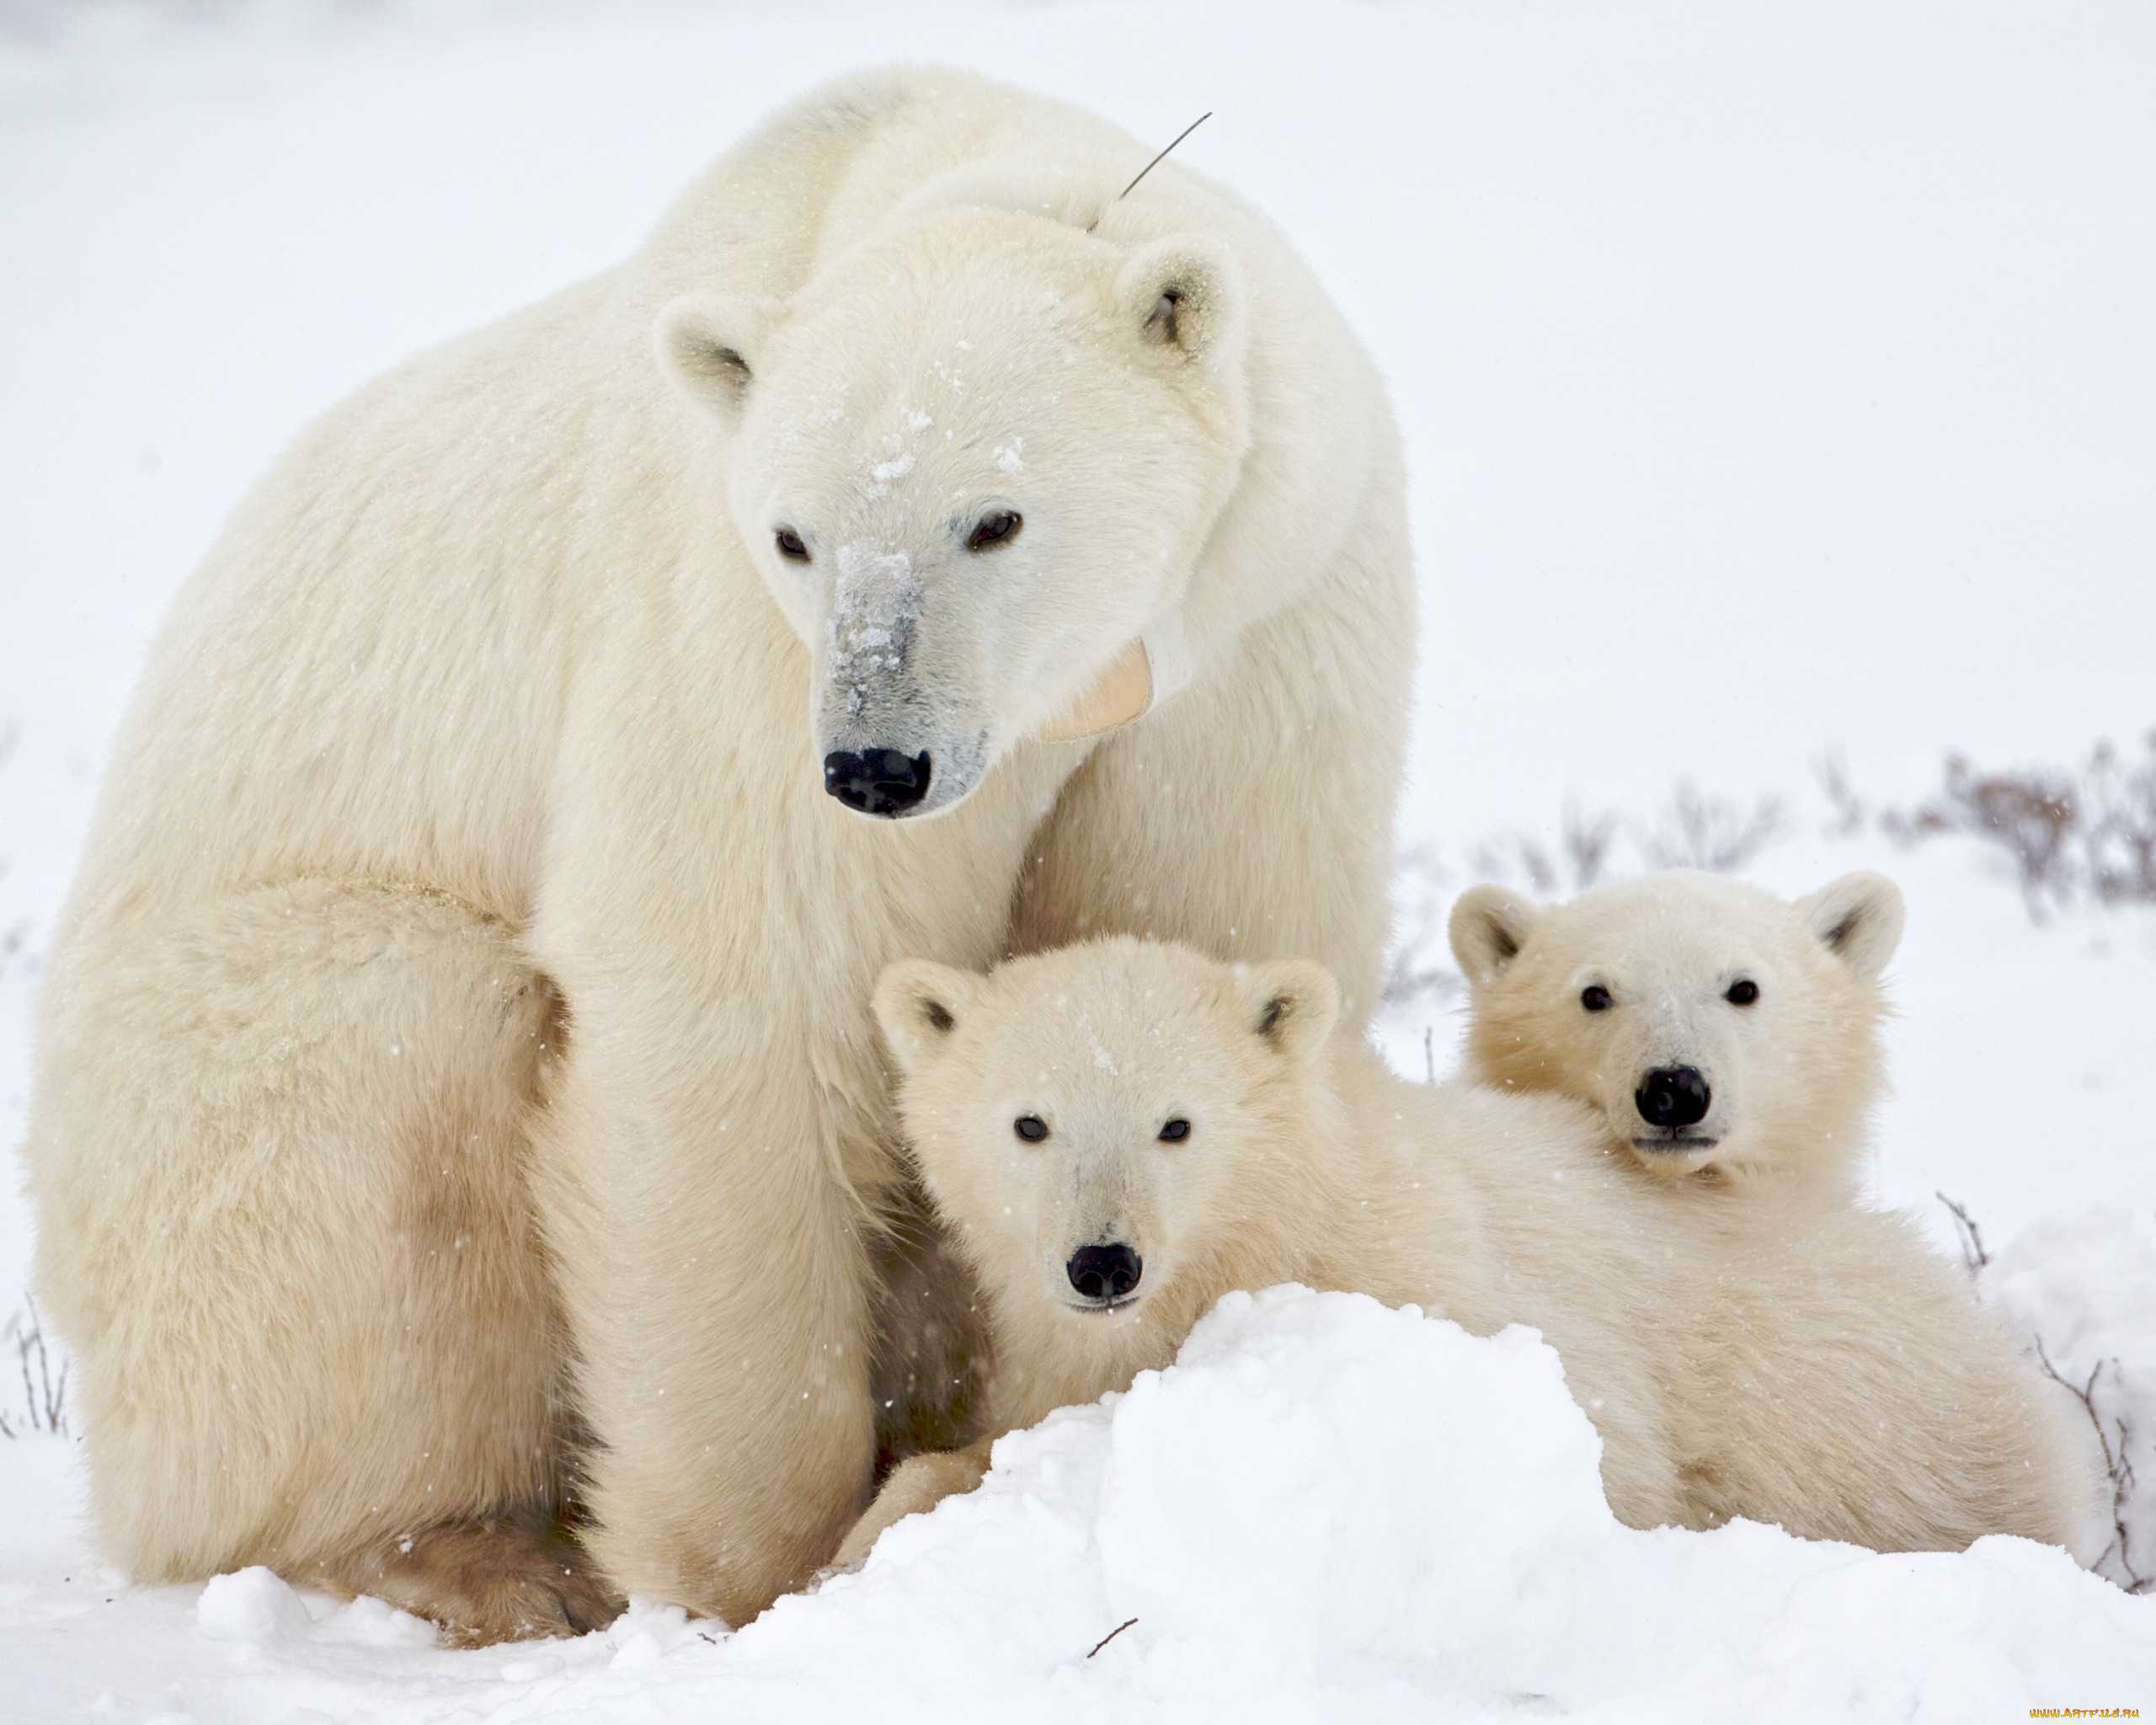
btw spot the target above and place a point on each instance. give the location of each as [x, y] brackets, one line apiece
[1742, 992]
[1030, 1127]
[790, 546]
[1175, 1132]
[996, 527]
[1595, 998]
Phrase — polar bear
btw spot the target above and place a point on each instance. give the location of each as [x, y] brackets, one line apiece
[1121, 1132]
[455, 1111]
[1727, 1038]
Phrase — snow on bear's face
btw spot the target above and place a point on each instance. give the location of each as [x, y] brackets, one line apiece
[973, 462]
[1711, 1023]
[1094, 1122]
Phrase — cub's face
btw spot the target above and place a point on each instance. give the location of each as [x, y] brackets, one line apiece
[972, 463]
[1711, 1023]
[1094, 1122]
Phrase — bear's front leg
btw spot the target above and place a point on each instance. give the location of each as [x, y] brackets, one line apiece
[915, 1486]
[714, 1282]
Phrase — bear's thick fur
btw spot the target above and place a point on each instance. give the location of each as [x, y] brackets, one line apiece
[452, 1080]
[1766, 1012]
[1820, 1369]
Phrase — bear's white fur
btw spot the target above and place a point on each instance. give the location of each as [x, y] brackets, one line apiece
[1775, 1006]
[465, 874]
[1822, 1370]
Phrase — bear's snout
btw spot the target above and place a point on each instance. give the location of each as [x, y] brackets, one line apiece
[1104, 1274]
[1673, 1098]
[878, 781]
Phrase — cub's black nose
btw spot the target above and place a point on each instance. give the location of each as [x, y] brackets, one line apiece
[1104, 1272]
[1673, 1098]
[878, 781]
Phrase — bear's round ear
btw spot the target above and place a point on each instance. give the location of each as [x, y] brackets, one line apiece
[1489, 925]
[1858, 917]
[1290, 1004]
[918, 1005]
[705, 346]
[1182, 296]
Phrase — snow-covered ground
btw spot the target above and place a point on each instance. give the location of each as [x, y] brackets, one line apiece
[1776, 381]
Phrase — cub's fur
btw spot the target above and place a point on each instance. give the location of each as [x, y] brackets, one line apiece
[1117, 1133]
[1724, 1035]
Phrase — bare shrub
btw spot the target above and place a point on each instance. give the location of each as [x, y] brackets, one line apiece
[1421, 965]
[1848, 809]
[1586, 840]
[1698, 831]
[44, 1393]
[2118, 825]
[2070, 833]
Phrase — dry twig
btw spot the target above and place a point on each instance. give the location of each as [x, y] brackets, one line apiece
[1973, 1255]
[2118, 1466]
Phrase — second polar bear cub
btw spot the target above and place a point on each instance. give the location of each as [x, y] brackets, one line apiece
[1722, 1033]
[1119, 1133]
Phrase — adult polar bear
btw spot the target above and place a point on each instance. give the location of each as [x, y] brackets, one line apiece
[465, 876]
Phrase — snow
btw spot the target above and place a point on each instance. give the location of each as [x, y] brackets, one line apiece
[2085, 1284]
[253, 1606]
[875, 603]
[1774, 382]
[1325, 1508]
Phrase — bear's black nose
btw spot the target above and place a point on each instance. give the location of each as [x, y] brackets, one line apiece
[1673, 1098]
[1104, 1273]
[878, 781]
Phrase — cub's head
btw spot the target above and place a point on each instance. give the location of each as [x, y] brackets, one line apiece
[1713, 1024]
[975, 462]
[1104, 1124]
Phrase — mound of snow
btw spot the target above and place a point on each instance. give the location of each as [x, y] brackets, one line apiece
[255, 1608]
[1327, 1504]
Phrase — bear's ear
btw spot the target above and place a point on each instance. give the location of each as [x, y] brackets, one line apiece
[918, 1005]
[1489, 925]
[1290, 1004]
[1858, 917]
[1182, 295]
[705, 346]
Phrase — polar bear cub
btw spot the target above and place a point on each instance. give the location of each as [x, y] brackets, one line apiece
[1722, 1034]
[1117, 1133]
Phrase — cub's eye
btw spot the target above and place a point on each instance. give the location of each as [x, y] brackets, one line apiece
[1175, 1132]
[1742, 992]
[996, 527]
[790, 546]
[1030, 1127]
[1595, 999]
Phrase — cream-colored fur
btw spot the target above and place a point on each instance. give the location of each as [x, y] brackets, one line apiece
[465, 876]
[1792, 1076]
[1825, 1372]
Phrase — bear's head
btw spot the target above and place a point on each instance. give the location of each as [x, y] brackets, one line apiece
[1712, 1023]
[1107, 1125]
[975, 461]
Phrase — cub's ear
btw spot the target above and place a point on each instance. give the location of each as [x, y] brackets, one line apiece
[707, 348]
[1290, 1004]
[918, 1005]
[1858, 917]
[1489, 925]
[1183, 296]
